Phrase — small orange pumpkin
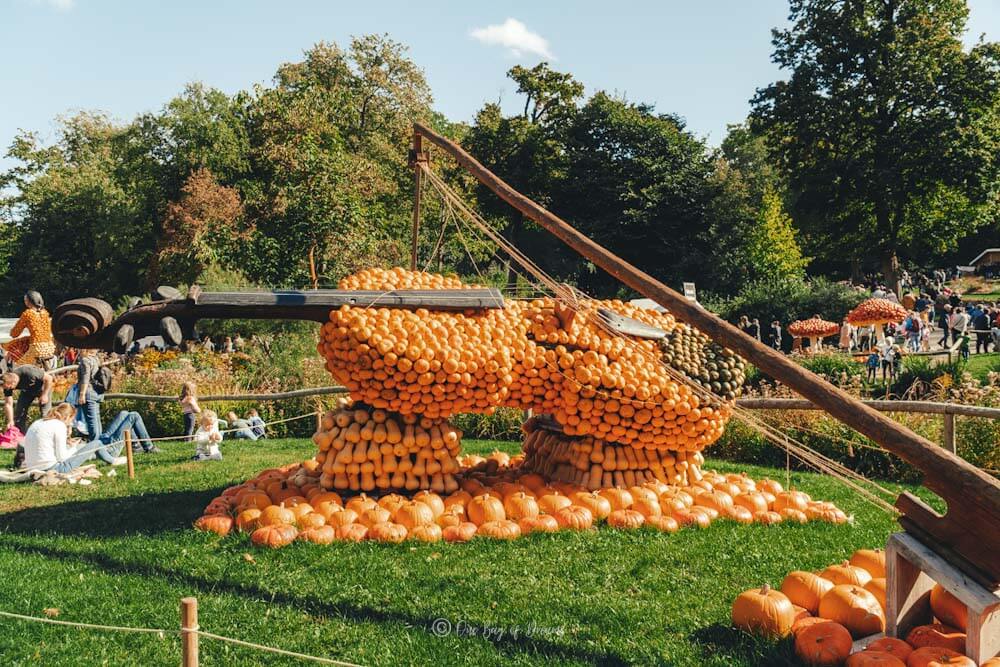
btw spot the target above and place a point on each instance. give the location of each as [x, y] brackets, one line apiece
[625, 519]
[499, 530]
[352, 532]
[318, 535]
[949, 609]
[936, 635]
[575, 517]
[219, 524]
[893, 646]
[463, 532]
[620, 499]
[519, 505]
[877, 588]
[543, 523]
[552, 503]
[274, 536]
[868, 658]
[311, 520]
[392, 533]
[427, 532]
[483, 509]
[663, 523]
[823, 644]
[276, 514]
[763, 611]
[248, 520]
[414, 514]
[805, 589]
[598, 505]
[935, 656]
[845, 573]
[854, 608]
[872, 560]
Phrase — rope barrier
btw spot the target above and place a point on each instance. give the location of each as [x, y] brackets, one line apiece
[269, 649]
[163, 633]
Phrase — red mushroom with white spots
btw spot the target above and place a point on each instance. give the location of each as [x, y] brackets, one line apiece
[815, 329]
[877, 313]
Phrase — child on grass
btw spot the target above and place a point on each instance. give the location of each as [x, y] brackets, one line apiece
[207, 437]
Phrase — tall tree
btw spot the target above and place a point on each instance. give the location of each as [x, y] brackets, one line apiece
[886, 128]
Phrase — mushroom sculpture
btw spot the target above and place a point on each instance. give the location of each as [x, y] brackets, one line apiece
[877, 313]
[815, 329]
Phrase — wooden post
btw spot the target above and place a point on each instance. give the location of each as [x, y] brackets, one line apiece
[189, 638]
[949, 432]
[972, 496]
[130, 463]
[319, 421]
[415, 157]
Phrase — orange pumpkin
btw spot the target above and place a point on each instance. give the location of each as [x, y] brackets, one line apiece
[751, 500]
[873, 659]
[342, 518]
[248, 520]
[893, 646]
[877, 588]
[376, 514]
[805, 589]
[448, 519]
[318, 535]
[598, 505]
[387, 531]
[215, 523]
[543, 523]
[854, 608]
[625, 519]
[793, 499]
[276, 514]
[803, 623]
[483, 509]
[871, 560]
[763, 611]
[825, 644]
[414, 514]
[845, 573]
[720, 501]
[427, 532]
[949, 609]
[740, 514]
[767, 518]
[686, 517]
[274, 536]
[552, 503]
[575, 517]
[663, 523]
[352, 532]
[933, 656]
[620, 499]
[793, 515]
[499, 530]
[310, 520]
[519, 505]
[936, 635]
[463, 532]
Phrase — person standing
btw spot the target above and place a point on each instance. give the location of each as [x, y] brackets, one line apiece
[33, 384]
[227, 346]
[238, 343]
[981, 324]
[207, 344]
[944, 321]
[38, 347]
[958, 323]
[775, 335]
[846, 335]
[189, 404]
[755, 328]
[88, 397]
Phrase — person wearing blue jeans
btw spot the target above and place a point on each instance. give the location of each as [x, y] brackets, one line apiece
[88, 400]
[115, 433]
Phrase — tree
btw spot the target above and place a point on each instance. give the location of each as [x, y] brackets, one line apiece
[886, 128]
[197, 230]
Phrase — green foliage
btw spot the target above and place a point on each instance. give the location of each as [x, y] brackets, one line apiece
[773, 248]
[919, 375]
[886, 127]
[789, 299]
[831, 365]
[503, 424]
[129, 551]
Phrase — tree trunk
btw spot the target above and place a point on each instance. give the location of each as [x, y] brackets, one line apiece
[890, 271]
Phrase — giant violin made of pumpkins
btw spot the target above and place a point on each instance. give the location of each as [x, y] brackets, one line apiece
[415, 348]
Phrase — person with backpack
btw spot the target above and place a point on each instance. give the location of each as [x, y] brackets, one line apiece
[91, 381]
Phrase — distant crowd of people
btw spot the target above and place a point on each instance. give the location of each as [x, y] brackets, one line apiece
[26, 372]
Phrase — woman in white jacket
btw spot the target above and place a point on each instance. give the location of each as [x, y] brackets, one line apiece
[46, 445]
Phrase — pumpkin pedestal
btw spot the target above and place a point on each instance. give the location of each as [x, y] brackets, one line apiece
[912, 569]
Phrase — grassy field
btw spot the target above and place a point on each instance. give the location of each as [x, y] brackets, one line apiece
[123, 553]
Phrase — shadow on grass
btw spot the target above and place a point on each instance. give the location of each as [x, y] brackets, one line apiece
[722, 639]
[143, 514]
[316, 606]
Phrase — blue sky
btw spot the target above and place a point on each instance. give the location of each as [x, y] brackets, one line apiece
[700, 59]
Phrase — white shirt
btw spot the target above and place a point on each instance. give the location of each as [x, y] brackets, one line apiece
[45, 444]
[205, 446]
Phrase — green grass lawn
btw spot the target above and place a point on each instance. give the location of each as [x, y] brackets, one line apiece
[123, 553]
[980, 364]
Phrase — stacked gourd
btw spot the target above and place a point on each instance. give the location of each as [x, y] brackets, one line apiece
[369, 449]
[533, 355]
[826, 611]
[594, 464]
[497, 497]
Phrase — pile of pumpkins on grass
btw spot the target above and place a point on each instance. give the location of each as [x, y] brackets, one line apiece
[826, 611]
[496, 497]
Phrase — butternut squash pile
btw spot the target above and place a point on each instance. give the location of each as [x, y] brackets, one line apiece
[368, 449]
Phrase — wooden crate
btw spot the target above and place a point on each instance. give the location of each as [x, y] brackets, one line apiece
[912, 569]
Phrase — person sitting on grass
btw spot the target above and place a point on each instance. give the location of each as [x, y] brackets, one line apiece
[872, 364]
[241, 428]
[31, 383]
[256, 423]
[207, 437]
